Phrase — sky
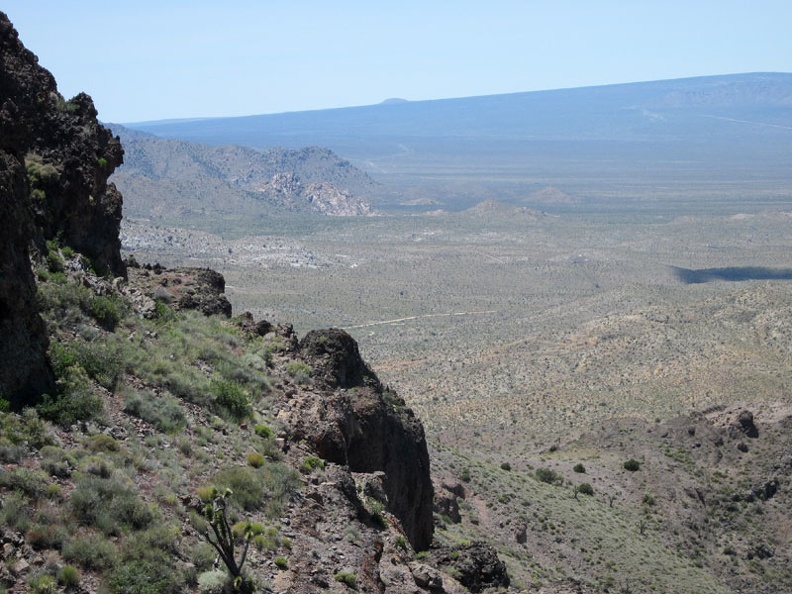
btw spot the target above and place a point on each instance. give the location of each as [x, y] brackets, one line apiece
[164, 59]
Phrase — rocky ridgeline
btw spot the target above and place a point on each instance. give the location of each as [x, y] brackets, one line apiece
[55, 158]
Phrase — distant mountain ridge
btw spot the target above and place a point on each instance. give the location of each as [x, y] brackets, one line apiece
[614, 112]
[690, 136]
[162, 175]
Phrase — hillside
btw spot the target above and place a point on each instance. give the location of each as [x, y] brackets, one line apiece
[173, 179]
[586, 399]
[150, 444]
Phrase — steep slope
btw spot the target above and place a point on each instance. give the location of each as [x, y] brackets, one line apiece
[174, 453]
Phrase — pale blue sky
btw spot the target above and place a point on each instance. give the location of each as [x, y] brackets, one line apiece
[157, 59]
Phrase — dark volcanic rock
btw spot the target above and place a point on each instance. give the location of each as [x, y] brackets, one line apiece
[201, 289]
[208, 293]
[365, 427]
[336, 360]
[55, 158]
[477, 566]
[24, 372]
[745, 425]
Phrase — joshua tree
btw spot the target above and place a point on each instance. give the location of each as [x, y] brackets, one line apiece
[223, 539]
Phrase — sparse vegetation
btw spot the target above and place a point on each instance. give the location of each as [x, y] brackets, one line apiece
[347, 578]
[311, 463]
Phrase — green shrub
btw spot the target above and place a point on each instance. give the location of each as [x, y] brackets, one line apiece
[264, 431]
[347, 578]
[255, 459]
[632, 465]
[401, 543]
[28, 481]
[46, 536]
[43, 584]
[102, 361]
[300, 371]
[506, 466]
[648, 499]
[98, 466]
[269, 540]
[280, 480]
[203, 556]
[103, 443]
[68, 576]
[161, 411]
[311, 463]
[25, 428]
[91, 552]
[281, 562]
[109, 505]
[158, 542]
[76, 402]
[245, 528]
[231, 398]
[546, 475]
[12, 453]
[107, 311]
[145, 577]
[57, 462]
[14, 513]
[213, 582]
[579, 468]
[163, 312]
[246, 484]
[585, 489]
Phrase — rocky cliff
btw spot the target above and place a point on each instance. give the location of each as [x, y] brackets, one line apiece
[360, 424]
[55, 159]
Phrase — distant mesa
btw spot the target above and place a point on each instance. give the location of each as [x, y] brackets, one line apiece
[394, 101]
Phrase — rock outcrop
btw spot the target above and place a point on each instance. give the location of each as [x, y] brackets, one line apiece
[349, 418]
[477, 566]
[202, 289]
[324, 197]
[55, 159]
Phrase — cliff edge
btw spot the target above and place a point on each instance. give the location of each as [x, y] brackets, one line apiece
[55, 158]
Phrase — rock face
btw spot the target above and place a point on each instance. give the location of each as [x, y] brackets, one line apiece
[351, 419]
[745, 425]
[55, 159]
[477, 566]
[324, 197]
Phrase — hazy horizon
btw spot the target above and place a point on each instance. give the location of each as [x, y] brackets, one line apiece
[158, 61]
